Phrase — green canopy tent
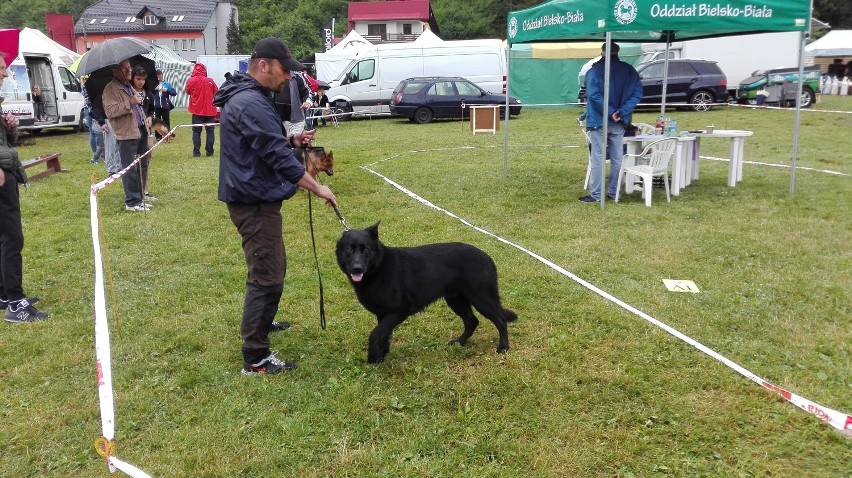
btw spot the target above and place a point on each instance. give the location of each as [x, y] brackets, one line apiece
[645, 21]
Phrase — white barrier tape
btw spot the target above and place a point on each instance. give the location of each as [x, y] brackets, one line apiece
[106, 182]
[765, 107]
[777, 165]
[128, 468]
[106, 396]
[838, 420]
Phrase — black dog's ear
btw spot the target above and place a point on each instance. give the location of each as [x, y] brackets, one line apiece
[374, 230]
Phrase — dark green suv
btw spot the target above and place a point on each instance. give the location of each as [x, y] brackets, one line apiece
[781, 84]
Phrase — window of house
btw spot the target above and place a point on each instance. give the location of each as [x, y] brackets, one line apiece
[406, 29]
[192, 44]
[150, 19]
[183, 44]
[175, 48]
[377, 29]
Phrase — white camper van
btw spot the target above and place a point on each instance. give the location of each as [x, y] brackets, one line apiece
[365, 86]
[40, 63]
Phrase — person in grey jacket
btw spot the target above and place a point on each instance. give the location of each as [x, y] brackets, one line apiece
[257, 172]
[18, 307]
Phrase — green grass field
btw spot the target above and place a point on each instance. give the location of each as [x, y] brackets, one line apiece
[588, 389]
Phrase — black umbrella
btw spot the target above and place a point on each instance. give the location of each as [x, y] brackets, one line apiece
[323, 85]
[111, 52]
[100, 78]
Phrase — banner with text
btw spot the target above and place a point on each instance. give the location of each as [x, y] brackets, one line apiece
[328, 35]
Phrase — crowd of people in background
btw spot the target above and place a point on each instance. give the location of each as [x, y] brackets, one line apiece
[121, 123]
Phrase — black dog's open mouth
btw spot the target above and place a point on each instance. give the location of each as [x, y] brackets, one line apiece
[356, 277]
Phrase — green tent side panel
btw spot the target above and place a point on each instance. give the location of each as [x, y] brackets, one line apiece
[544, 81]
[552, 81]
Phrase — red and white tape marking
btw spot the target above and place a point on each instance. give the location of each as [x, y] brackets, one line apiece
[106, 445]
[838, 420]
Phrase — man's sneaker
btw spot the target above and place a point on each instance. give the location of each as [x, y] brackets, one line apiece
[279, 326]
[22, 311]
[271, 364]
[588, 199]
[138, 208]
[5, 303]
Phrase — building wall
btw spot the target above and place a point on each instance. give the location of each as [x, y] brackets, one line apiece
[215, 40]
[393, 27]
[185, 42]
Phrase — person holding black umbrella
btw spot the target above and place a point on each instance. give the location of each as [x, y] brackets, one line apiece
[123, 108]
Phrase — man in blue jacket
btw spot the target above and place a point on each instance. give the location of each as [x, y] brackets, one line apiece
[257, 171]
[625, 92]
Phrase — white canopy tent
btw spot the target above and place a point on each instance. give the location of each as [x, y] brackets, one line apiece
[330, 64]
[34, 41]
[428, 38]
[834, 43]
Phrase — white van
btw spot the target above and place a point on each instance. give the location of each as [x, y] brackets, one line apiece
[365, 86]
[60, 89]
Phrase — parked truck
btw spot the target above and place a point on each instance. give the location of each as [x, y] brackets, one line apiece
[218, 65]
[738, 56]
[45, 63]
[365, 86]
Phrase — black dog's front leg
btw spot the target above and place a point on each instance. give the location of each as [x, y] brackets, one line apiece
[380, 338]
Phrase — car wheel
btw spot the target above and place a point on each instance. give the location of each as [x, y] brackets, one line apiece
[701, 100]
[808, 97]
[342, 109]
[423, 115]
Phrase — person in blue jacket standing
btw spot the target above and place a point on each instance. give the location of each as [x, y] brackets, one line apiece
[163, 104]
[625, 92]
[257, 172]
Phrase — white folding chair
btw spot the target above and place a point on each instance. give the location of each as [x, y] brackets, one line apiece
[659, 154]
[644, 128]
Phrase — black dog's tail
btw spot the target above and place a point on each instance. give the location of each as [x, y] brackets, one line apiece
[510, 315]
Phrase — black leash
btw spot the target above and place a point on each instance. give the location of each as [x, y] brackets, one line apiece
[316, 262]
[314, 244]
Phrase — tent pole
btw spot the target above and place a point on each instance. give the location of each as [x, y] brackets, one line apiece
[506, 123]
[805, 34]
[605, 114]
[665, 76]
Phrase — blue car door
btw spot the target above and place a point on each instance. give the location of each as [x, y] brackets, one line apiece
[443, 100]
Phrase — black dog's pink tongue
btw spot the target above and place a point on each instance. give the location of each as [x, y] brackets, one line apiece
[356, 277]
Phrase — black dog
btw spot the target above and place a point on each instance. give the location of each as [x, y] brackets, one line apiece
[397, 282]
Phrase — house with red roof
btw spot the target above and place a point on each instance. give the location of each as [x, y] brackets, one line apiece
[391, 21]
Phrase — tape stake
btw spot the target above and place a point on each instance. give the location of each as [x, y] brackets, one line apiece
[104, 447]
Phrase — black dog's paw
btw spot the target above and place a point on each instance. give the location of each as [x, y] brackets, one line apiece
[375, 359]
[501, 349]
[457, 341]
